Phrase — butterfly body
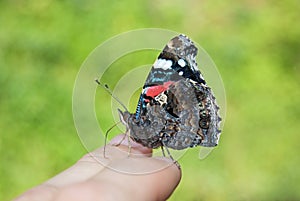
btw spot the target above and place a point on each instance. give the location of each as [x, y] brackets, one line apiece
[176, 108]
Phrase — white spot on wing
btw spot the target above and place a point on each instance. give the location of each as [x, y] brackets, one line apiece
[180, 73]
[181, 63]
[168, 64]
[163, 64]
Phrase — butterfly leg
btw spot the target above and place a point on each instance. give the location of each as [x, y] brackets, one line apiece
[169, 154]
[129, 143]
[163, 151]
[105, 139]
[127, 134]
[121, 141]
[171, 157]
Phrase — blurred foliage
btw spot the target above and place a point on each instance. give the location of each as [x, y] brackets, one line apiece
[255, 44]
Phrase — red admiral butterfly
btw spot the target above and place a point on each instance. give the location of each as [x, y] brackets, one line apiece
[176, 108]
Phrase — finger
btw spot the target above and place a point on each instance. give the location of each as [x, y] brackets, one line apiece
[127, 177]
[94, 162]
[155, 185]
[115, 185]
[39, 193]
[138, 178]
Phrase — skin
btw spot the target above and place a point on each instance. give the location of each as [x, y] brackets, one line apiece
[134, 176]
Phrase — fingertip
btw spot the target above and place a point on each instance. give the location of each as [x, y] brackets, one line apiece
[167, 179]
[174, 167]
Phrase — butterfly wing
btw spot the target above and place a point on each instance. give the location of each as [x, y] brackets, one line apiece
[177, 86]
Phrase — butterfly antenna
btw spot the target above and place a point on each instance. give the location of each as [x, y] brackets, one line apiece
[105, 86]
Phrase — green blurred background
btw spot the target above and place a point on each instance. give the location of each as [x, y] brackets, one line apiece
[255, 44]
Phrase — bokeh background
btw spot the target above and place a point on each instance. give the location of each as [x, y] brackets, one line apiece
[254, 43]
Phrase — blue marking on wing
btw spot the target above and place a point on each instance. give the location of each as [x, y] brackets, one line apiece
[158, 77]
[138, 108]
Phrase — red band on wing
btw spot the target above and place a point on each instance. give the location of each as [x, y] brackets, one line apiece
[155, 90]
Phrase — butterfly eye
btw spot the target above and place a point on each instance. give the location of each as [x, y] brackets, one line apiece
[203, 123]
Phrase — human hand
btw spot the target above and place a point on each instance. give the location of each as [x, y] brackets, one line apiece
[90, 180]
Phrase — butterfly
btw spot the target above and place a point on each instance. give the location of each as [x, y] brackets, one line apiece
[176, 108]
